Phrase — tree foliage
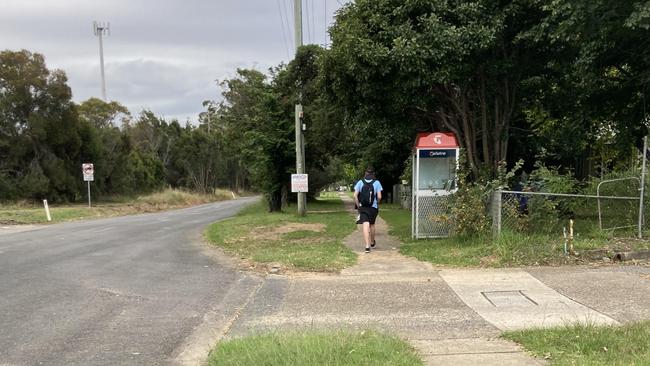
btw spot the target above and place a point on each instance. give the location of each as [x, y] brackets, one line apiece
[551, 79]
[40, 138]
[563, 82]
[436, 65]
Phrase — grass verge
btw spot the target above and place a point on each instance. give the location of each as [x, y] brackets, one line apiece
[342, 348]
[509, 249]
[27, 213]
[310, 243]
[588, 344]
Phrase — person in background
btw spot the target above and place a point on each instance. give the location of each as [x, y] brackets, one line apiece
[367, 195]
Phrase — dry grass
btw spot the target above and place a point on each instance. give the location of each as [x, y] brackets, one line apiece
[175, 197]
[24, 212]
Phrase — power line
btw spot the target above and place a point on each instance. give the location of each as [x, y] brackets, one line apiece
[325, 22]
[309, 39]
[313, 23]
[287, 17]
[284, 33]
[291, 11]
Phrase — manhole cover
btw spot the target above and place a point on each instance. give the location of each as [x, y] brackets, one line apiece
[508, 298]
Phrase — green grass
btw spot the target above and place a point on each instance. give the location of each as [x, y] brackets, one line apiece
[340, 348]
[31, 213]
[447, 251]
[509, 249]
[34, 215]
[310, 243]
[589, 344]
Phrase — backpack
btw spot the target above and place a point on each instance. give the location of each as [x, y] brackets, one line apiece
[367, 193]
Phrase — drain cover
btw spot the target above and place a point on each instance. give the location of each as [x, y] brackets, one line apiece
[508, 298]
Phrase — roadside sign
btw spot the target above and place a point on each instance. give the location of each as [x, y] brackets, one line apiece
[88, 171]
[299, 183]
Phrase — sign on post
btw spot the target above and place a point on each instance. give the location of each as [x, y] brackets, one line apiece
[299, 183]
[88, 171]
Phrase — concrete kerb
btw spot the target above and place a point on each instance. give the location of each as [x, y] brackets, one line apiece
[11, 229]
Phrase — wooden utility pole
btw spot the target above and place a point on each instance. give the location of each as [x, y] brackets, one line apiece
[300, 143]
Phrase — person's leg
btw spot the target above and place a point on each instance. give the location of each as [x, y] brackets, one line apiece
[373, 217]
[366, 234]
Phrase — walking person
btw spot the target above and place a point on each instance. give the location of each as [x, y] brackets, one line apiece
[367, 195]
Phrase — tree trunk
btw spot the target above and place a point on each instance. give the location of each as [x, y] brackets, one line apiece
[275, 201]
[484, 122]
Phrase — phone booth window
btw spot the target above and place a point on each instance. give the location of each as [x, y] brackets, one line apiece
[437, 169]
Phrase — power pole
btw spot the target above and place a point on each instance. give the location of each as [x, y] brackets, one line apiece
[300, 142]
[100, 29]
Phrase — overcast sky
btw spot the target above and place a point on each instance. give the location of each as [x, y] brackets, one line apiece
[161, 55]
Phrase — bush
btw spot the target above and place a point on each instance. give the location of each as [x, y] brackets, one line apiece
[470, 214]
[469, 210]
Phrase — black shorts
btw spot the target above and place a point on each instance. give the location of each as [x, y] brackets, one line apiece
[367, 214]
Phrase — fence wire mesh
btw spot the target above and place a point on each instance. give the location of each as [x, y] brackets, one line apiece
[433, 216]
[548, 213]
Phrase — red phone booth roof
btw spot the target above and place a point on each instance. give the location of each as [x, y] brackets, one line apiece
[441, 140]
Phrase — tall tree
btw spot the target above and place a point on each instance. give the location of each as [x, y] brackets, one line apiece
[596, 92]
[39, 130]
[103, 114]
[436, 64]
[104, 144]
[301, 82]
[263, 138]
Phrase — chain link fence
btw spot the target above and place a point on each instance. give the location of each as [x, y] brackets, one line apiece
[433, 220]
[548, 213]
[620, 204]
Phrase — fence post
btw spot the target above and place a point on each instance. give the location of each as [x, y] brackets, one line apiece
[496, 213]
[642, 191]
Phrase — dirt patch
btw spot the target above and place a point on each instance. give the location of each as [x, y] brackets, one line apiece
[489, 261]
[10, 222]
[275, 232]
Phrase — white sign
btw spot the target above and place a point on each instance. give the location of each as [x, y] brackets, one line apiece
[88, 171]
[299, 183]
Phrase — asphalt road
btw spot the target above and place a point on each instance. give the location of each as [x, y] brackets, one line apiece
[119, 291]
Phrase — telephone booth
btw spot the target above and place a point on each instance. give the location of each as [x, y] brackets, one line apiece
[435, 165]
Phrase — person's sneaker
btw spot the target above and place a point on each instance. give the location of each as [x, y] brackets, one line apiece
[373, 244]
[367, 250]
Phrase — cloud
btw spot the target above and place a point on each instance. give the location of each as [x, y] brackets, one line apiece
[162, 55]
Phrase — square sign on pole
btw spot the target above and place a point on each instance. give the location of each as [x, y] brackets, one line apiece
[299, 183]
[88, 171]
